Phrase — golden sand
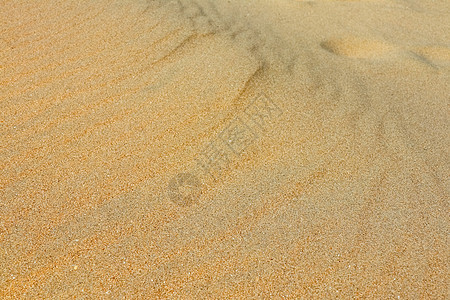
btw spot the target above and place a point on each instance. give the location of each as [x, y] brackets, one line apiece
[135, 161]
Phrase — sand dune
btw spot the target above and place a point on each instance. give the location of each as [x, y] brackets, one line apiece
[202, 149]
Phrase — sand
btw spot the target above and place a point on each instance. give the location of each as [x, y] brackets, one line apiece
[200, 149]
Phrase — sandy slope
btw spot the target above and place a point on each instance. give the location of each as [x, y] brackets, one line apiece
[341, 191]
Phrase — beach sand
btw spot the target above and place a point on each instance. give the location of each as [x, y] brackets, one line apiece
[200, 149]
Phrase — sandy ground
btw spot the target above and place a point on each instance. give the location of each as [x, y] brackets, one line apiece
[200, 149]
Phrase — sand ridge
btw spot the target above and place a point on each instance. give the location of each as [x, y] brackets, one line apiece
[344, 194]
